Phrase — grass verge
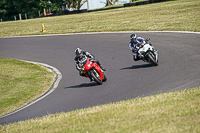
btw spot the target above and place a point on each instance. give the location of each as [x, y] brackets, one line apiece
[21, 82]
[169, 112]
[177, 15]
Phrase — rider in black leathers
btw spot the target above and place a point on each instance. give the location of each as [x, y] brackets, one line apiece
[81, 54]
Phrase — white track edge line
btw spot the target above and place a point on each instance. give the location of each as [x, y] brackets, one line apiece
[54, 86]
[184, 32]
[59, 73]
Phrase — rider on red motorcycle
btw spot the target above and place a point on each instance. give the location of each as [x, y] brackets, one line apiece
[81, 54]
[135, 44]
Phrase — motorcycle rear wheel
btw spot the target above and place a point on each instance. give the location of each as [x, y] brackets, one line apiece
[104, 79]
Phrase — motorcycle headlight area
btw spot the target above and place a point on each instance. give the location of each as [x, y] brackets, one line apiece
[142, 50]
[89, 64]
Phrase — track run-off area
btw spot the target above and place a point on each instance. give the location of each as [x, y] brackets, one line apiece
[179, 61]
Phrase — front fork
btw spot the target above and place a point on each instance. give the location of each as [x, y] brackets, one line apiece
[91, 71]
[156, 54]
[89, 75]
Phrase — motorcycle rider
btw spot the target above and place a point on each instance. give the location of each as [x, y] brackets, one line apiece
[135, 44]
[80, 54]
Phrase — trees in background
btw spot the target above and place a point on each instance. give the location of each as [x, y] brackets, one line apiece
[28, 8]
[11, 8]
[111, 2]
[14, 9]
[35, 8]
[75, 3]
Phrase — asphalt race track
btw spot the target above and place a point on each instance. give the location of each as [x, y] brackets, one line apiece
[179, 68]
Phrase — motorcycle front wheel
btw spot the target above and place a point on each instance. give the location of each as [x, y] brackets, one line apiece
[95, 76]
[152, 58]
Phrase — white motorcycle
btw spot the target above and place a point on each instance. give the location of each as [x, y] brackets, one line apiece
[149, 54]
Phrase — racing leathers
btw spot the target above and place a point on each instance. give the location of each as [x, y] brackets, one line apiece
[135, 47]
[85, 54]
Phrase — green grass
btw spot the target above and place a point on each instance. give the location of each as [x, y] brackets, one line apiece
[174, 112]
[178, 15]
[20, 83]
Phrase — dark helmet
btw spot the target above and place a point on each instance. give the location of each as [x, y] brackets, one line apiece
[79, 52]
[133, 36]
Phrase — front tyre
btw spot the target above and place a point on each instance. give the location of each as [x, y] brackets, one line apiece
[152, 58]
[95, 76]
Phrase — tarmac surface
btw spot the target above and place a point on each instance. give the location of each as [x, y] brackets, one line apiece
[179, 68]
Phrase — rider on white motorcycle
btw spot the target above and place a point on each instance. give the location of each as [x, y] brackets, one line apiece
[80, 54]
[135, 44]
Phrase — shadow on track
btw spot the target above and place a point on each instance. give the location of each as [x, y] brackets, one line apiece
[138, 66]
[83, 85]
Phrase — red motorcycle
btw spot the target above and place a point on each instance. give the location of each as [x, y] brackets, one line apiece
[92, 70]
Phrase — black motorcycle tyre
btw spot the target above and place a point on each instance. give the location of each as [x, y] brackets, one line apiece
[93, 76]
[152, 59]
[104, 79]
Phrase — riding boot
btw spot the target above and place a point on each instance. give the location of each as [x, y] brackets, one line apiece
[82, 74]
[136, 57]
[104, 69]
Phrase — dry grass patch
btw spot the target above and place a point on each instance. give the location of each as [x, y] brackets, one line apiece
[169, 112]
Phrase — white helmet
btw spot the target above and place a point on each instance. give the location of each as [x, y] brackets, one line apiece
[79, 52]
